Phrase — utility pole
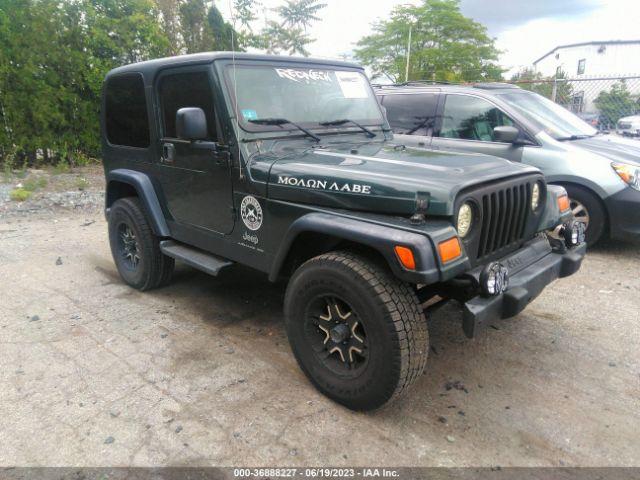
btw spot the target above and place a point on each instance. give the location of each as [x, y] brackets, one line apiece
[406, 73]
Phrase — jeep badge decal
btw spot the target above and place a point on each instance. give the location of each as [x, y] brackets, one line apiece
[251, 212]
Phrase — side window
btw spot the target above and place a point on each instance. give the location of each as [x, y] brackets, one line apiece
[471, 118]
[126, 119]
[190, 89]
[411, 114]
[581, 65]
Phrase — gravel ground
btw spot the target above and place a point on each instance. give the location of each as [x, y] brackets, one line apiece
[93, 373]
[82, 189]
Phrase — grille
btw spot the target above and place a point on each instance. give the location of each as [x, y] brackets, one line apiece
[504, 217]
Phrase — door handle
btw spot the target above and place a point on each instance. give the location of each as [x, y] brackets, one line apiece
[168, 153]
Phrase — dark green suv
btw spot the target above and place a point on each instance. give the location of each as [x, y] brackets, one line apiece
[288, 166]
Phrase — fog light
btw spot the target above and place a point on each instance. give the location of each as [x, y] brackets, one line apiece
[573, 233]
[494, 279]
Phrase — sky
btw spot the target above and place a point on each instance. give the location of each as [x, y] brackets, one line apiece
[524, 29]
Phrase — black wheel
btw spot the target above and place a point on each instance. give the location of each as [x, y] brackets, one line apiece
[358, 333]
[135, 249]
[587, 208]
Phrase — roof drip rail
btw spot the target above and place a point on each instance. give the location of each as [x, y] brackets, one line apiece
[414, 83]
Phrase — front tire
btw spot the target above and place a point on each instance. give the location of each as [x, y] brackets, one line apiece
[358, 333]
[135, 248]
[587, 208]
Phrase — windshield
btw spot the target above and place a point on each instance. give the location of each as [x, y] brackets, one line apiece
[555, 120]
[306, 96]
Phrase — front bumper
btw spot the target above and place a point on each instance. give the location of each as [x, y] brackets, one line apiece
[531, 269]
[624, 214]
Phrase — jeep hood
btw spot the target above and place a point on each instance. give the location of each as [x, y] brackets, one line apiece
[381, 177]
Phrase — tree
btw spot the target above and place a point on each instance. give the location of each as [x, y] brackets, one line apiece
[193, 25]
[445, 45]
[221, 32]
[289, 32]
[299, 13]
[53, 59]
[616, 103]
[529, 79]
[170, 20]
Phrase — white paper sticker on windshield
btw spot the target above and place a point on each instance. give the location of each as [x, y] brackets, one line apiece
[306, 76]
[352, 84]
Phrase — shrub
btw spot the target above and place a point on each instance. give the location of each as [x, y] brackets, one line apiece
[33, 184]
[19, 194]
[82, 183]
[61, 167]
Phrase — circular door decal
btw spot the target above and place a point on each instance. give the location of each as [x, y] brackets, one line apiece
[251, 212]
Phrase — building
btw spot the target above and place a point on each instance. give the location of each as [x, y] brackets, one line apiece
[592, 68]
[592, 59]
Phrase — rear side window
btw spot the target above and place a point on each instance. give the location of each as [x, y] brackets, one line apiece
[181, 90]
[126, 119]
[411, 114]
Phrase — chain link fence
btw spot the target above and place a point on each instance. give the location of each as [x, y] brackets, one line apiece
[601, 101]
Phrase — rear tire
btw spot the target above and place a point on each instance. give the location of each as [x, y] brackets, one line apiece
[135, 249]
[358, 333]
[588, 208]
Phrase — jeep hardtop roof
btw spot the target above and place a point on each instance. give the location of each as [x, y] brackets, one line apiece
[150, 67]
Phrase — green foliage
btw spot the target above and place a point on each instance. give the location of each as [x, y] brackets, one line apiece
[221, 32]
[289, 32]
[33, 184]
[53, 58]
[61, 167]
[529, 79]
[616, 103]
[299, 13]
[445, 45]
[81, 183]
[20, 194]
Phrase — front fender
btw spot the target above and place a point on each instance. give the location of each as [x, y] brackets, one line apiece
[147, 194]
[381, 238]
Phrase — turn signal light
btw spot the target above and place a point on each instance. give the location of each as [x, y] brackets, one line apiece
[449, 249]
[563, 203]
[405, 255]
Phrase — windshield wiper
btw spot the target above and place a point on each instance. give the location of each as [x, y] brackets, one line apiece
[283, 121]
[335, 123]
[575, 137]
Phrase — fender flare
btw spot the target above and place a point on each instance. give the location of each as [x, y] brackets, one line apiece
[381, 238]
[579, 182]
[147, 194]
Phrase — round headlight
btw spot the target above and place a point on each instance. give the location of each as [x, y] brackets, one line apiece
[465, 219]
[535, 196]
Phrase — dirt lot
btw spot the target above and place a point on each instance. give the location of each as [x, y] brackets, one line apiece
[93, 373]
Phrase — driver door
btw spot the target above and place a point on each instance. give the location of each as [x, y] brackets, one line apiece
[467, 124]
[195, 181]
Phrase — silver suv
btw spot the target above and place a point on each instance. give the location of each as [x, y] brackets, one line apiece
[600, 172]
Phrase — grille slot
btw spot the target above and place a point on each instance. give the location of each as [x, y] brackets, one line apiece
[504, 217]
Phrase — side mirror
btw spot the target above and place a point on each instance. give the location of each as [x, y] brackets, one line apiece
[191, 124]
[505, 134]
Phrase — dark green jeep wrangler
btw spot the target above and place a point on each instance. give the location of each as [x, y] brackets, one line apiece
[288, 166]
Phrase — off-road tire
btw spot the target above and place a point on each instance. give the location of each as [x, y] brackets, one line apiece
[392, 317]
[154, 268]
[597, 216]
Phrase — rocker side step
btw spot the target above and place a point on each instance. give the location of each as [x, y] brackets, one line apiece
[194, 257]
